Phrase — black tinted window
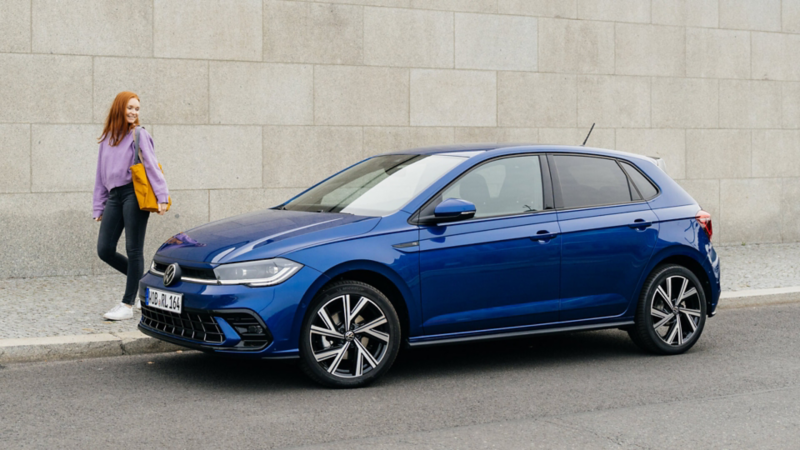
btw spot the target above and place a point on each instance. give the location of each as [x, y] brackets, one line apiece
[587, 181]
[646, 188]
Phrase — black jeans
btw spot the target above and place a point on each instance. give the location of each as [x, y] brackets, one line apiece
[122, 212]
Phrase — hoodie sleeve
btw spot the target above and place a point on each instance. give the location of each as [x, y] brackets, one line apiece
[100, 192]
[154, 175]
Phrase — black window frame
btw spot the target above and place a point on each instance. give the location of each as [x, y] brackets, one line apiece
[557, 194]
[649, 180]
[547, 192]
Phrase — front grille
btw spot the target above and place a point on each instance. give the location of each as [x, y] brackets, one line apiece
[252, 331]
[190, 272]
[197, 326]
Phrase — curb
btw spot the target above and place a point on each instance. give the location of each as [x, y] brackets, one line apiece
[135, 343]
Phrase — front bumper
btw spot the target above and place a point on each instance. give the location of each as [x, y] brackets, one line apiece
[274, 308]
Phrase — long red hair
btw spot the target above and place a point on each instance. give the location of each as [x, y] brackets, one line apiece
[116, 125]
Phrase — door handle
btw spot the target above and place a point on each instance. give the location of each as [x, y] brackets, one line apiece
[543, 235]
[640, 224]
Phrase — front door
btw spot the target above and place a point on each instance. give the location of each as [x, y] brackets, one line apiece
[501, 268]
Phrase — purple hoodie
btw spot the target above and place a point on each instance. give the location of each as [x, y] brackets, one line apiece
[114, 169]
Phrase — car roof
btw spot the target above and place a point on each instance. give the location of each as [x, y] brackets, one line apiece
[504, 148]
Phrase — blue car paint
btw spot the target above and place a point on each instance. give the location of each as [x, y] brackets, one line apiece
[329, 245]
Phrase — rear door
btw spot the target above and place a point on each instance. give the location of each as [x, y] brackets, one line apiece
[501, 268]
[608, 234]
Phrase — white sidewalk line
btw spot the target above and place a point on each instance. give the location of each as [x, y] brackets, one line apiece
[135, 343]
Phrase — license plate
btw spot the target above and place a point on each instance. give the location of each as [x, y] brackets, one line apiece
[167, 301]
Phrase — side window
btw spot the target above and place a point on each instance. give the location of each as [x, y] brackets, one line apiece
[501, 187]
[588, 181]
[644, 185]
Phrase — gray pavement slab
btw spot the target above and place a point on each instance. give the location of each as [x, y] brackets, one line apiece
[739, 387]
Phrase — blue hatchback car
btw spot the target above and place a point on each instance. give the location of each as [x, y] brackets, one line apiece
[442, 245]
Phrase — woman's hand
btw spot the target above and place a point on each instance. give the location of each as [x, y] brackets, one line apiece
[162, 208]
[98, 219]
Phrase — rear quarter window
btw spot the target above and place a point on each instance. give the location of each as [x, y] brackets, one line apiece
[642, 183]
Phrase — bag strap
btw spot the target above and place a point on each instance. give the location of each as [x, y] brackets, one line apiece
[137, 152]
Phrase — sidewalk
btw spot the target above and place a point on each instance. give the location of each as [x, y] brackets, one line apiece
[74, 306]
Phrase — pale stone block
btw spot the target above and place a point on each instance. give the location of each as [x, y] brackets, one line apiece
[47, 234]
[717, 53]
[232, 202]
[389, 139]
[790, 210]
[485, 6]
[749, 210]
[615, 10]
[261, 93]
[685, 103]
[497, 134]
[453, 98]
[408, 38]
[171, 91]
[386, 3]
[613, 101]
[208, 29]
[790, 16]
[15, 158]
[495, 42]
[15, 26]
[209, 157]
[770, 56]
[346, 95]
[600, 137]
[536, 99]
[670, 145]
[302, 156]
[689, 13]
[776, 153]
[749, 104]
[706, 193]
[313, 33]
[45, 88]
[790, 94]
[718, 154]
[763, 15]
[93, 27]
[567, 9]
[64, 157]
[570, 46]
[650, 50]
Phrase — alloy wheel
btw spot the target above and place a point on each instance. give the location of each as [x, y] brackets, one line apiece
[349, 336]
[675, 310]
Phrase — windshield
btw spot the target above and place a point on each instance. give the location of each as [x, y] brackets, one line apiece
[376, 187]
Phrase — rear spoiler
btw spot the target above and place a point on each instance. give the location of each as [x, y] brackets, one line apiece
[659, 162]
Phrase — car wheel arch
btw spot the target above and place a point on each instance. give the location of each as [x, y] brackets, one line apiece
[375, 274]
[684, 258]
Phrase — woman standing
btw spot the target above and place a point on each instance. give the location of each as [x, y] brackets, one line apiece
[115, 204]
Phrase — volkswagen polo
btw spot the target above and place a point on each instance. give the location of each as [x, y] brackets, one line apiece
[442, 245]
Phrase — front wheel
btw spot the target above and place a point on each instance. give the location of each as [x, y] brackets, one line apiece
[350, 337]
[671, 313]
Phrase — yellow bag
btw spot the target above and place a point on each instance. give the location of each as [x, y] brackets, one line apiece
[141, 185]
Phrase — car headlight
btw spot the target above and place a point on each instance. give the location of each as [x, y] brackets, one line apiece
[266, 272]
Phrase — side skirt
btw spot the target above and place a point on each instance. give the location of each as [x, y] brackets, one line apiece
[516, 334]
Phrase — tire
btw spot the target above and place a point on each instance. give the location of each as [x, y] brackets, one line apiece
[353, 356]
[670, 290]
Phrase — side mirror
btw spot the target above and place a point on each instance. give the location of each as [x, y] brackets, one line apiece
[450, 210]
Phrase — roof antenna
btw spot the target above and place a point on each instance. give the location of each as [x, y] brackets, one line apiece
[587, 136]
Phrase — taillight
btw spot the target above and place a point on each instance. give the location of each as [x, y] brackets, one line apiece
[704, 219]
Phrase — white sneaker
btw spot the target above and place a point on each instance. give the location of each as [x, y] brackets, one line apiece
[119, 312]
[138, 304]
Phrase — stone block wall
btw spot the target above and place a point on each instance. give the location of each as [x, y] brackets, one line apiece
[250, 101]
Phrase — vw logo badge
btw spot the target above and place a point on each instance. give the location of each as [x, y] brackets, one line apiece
[172, 274]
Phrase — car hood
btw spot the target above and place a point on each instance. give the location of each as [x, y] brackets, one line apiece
[260, 235]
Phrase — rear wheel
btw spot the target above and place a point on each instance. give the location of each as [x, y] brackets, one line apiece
[671, 313]
[350, 336]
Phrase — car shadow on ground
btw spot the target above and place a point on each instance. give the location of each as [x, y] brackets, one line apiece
[411, 366]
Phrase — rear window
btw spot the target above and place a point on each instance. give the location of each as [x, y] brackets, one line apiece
[641, 182]
[588, 181]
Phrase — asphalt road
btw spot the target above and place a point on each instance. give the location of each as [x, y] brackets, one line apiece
[739, 387]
